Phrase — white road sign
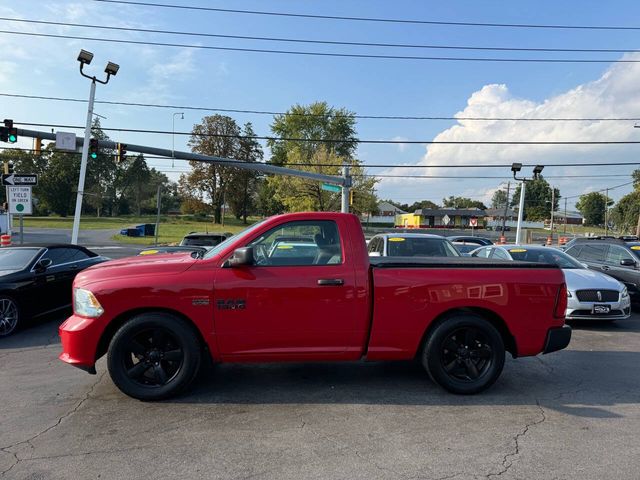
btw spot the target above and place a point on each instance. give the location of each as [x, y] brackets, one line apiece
[66, 141]
[473, 222]
[19, 200]
[446, 220]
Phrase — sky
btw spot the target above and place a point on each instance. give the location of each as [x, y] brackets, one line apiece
[365, 86]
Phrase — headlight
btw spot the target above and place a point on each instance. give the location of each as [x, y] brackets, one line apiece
[625, 292]
[86, 304]
[569, 294]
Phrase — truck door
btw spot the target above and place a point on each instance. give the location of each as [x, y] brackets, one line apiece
[299, 298]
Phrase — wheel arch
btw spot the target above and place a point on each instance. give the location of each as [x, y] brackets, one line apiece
[493, 318]
[120, 320]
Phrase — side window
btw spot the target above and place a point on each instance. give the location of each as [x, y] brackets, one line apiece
[373, 245]
[59, 256]
[483, 253]
[380, 246]
[574, 251]
[299, 243]
[593, 253]
[497, 253]
[617, 254]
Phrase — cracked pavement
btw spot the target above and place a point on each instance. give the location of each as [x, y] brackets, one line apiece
[570, 414]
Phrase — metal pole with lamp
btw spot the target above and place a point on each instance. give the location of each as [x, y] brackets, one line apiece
[515, 168]
[85, 58]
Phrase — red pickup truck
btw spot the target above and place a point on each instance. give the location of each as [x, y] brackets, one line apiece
[301, 287]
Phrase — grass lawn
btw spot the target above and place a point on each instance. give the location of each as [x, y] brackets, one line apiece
[172, 229]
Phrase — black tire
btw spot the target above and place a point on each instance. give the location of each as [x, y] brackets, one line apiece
[154, 356]
[10, 318]
[464, 354]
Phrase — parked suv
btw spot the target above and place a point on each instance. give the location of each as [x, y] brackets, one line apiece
[617, 257]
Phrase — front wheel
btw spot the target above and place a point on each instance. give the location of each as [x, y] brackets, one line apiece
[154, 356]
[464, 354]
[9, 316]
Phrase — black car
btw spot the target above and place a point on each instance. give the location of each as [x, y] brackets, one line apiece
[36, 281]
[204, 239]
[617, 257]
[467, 244]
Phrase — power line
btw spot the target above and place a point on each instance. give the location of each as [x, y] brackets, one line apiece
[372, 19]
[603, 190]
[353, 140]
[323, 54]
[387, 166]
[294, 114]
[323, 42]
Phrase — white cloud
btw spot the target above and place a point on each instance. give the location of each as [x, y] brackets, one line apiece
[400, 146]
[615, 94]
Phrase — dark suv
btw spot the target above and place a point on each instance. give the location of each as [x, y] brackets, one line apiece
[617, 257]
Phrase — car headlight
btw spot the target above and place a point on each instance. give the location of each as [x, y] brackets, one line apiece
[86, 304]
[569, 294]
[625, 292]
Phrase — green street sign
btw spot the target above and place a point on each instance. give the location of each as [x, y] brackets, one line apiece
[331, 188]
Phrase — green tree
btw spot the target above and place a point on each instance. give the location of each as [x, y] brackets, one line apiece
[499, 199]
[299, 194]
[422, 204]
[626, 212]
[241, 192]
[537, 199]
[462, 202]
[217, 135]
[592, 206]
[58, 184]
[315, 123]
[266, 202]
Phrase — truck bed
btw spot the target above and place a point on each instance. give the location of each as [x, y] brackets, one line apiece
[453, 262]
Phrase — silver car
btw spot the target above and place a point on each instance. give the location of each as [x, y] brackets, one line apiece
[592, 295]
[410, 245]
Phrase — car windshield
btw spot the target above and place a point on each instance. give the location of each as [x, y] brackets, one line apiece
[465, 247]
[420, 247]
[550, 256]
[242, 235]
[16, 258]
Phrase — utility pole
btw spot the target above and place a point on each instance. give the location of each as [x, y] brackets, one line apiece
[553, 207]
[506, 208]
[158, 215]
[565, 216]
[606, 212]
[346, 174]
[523, 184]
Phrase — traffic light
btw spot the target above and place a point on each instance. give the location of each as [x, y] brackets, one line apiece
[121, 153]
[8, 133]
[93, 148]
[8, 167]
[351, 197]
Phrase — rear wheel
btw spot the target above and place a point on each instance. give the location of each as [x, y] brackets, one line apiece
[464, 354]
[9, 316]
[154, 356]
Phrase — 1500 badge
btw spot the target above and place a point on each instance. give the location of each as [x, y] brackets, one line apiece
[238, 304]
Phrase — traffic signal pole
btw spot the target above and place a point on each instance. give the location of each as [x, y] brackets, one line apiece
[83, 166]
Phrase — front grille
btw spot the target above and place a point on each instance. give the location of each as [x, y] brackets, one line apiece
[589, 313]
[592, 295]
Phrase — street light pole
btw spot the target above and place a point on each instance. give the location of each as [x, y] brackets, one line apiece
[515, 168]
[85, 58]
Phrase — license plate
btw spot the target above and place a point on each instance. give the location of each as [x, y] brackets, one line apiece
[601, 309]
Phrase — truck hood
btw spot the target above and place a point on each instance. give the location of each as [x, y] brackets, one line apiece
[169, 264]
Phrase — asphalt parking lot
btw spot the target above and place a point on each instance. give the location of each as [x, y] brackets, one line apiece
[571, 414]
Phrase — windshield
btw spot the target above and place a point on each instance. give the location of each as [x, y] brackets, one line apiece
[550, 256]
[420, 247]
[243, 234]
[16, 259]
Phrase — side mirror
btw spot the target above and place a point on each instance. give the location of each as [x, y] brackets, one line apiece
[627, 262]
[375, 254]
[241, 256]
[42, 265]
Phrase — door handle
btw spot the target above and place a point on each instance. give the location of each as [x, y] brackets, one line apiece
[604, 267]
[336, 282]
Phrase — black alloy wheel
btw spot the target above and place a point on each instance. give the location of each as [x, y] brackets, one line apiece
[9, 316]
[154, 356]
[464, 354]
